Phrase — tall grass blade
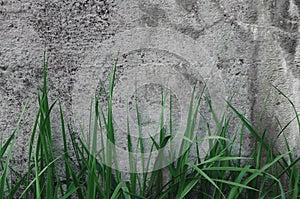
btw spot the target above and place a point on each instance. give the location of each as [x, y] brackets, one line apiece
[12, 142]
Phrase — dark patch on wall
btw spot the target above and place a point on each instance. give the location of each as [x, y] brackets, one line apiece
[288, 43]
[191, 6]
[153, 15]
[156, 16]
[245, 12]
[69, 29]
[280, 16]
[296, 68]
[242, 34]
[190, 31]
[249, 13]
[188, 5]
[297, 2]
[75, 22]
[14, 9]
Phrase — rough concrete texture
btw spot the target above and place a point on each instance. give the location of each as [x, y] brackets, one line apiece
[238, 47]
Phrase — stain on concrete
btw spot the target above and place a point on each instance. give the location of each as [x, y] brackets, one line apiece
[285, 16]
[190, 31]
[188, 5]
[232, 10]
[298, 4]
[281, 17]
[153, 15]
[289, 44]
[249, 13]
[296, 63]
[68, 30]
[57, 21]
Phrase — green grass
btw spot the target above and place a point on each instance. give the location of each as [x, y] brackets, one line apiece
[266, 173]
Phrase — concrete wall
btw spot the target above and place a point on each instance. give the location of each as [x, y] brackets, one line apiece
[238, 47]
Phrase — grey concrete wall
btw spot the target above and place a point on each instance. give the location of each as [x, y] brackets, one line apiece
[238, 47]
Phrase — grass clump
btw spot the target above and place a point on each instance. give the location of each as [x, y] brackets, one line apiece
[220, 173]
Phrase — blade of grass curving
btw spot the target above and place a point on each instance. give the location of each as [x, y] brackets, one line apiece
[117, 192]
[202, 173]
[38, 174]
[69, 193]
[135, 196]
[286, 170]
[2, 151]
[287, 125]
[235, 184]
[260, 172]
[230, 168]
[17, 185]
[287, 167]
[7, 143]
[234, 192]
[249, 127]
[125, 191]
[10, 151]
[292, 104]
[187, 189]
[219, 158]
[282, 193]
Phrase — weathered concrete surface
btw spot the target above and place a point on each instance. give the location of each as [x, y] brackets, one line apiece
[276, 64]
[238, 47]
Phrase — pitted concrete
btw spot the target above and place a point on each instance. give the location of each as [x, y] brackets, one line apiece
[239, 47]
